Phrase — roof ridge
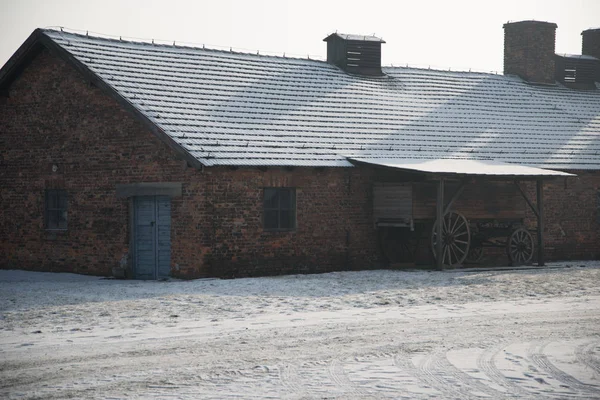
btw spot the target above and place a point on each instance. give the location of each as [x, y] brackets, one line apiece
[439, 69]
[181, 45]
[214, 48]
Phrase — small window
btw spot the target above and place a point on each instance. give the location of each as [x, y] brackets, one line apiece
[56, 209]
[280, 209]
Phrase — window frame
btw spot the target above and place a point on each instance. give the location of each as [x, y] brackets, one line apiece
[290, 207]
[60, 209]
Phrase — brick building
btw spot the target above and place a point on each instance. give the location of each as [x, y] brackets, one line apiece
[190, 162]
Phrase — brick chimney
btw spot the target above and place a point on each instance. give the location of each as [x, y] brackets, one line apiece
[590, 46]
[529, 50]
[590, 42]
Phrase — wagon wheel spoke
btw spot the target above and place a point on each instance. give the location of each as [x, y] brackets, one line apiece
[454, 225]
[460, 226]
[453, 253]
[457, 253]
[520, 247]
[455, 238]
[459, 249]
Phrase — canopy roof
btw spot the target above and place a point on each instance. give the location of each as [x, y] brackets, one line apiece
[464, 167]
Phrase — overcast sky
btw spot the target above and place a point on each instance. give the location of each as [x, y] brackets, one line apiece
[457, 34]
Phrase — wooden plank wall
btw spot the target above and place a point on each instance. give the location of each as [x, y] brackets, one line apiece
[480, 199]
[392, 201]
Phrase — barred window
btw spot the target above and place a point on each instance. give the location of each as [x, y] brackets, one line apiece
[56, 209]
[279, 209]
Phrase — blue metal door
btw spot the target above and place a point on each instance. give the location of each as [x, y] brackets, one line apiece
[152, 237]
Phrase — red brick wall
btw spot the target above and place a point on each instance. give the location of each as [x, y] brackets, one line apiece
[590, 42]
[529, 50]
[572, 216]
[334, 228]
[53, 117]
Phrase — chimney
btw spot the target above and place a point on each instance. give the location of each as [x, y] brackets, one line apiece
[590, 42]
[355, 54]
[590, 46]
[529, 50]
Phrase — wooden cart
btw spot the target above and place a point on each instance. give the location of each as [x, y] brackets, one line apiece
[510, 234]
[463, 240]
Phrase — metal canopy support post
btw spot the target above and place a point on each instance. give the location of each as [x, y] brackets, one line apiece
[540, 222]
[440, 219]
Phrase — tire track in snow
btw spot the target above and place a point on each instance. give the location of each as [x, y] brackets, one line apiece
[289, 377]
[470, 383]
[486, 363]
[584, 355]
[403, 361]
[436, 371]
[382, 375]
[424, 373]
[430, 366]
[536, 354]
[339, 377]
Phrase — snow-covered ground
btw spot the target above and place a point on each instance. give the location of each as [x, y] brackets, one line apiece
[529, 334]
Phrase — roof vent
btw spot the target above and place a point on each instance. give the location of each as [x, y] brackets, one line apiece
[577, 71]
[355, 54]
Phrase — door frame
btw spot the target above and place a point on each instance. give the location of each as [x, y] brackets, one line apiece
[130, 191]
[156, 201]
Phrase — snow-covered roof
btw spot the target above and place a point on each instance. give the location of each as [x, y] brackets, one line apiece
[578, 56]
[360, 38]
[227, 108]
[462, 167]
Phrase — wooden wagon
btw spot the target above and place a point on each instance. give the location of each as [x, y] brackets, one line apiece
[405, 226]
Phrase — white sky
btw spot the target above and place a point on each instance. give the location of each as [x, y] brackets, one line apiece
[457, 34]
